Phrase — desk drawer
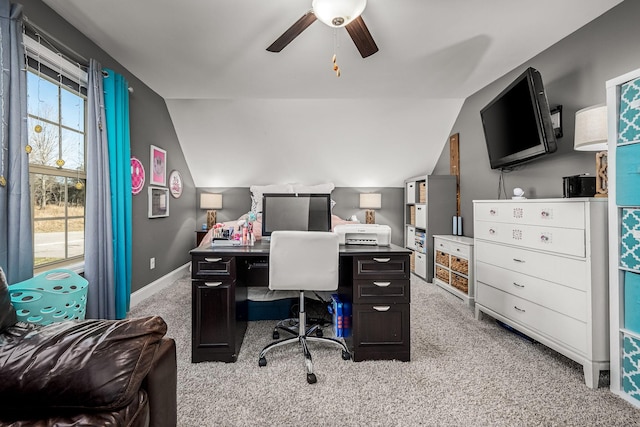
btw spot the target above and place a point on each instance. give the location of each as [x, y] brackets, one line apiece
[205, 267]
[381, 291]
[381, 267]
[381, 332]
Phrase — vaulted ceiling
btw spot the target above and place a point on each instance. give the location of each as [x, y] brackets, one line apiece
[287, 117]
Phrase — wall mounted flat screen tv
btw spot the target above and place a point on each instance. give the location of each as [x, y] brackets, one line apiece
[517, 123]
[291, 211]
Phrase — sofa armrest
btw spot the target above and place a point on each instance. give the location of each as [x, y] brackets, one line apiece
[91, 364]
[161, 385]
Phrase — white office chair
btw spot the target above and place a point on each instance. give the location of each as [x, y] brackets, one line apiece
[304, 261]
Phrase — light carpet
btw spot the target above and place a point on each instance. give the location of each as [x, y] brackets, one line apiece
[463, 372]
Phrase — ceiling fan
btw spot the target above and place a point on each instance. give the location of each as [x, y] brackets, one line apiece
[336, 14]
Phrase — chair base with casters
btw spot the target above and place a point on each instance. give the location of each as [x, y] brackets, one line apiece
[302, 335]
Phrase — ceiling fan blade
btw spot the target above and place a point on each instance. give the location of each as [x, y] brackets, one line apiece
[293, 32]
[361, 37]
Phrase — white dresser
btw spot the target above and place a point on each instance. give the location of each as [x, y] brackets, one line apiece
[541, 267]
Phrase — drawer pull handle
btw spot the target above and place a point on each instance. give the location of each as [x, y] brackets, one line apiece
[518, 285]
[213, 284]
[381, 308]
[518, 260]
[213, 259]
[457, 249]
[382, 259]
[382, 284]
[519, 309]
[492, 231]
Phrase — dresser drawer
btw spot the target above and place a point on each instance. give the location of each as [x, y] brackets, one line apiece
[457, 249]
[551, 214]
[205, 267]
[558, 327]
[441, 245]
[381, 267]
[568, 271]
[381, 291]
[563, 299]
[569, 241]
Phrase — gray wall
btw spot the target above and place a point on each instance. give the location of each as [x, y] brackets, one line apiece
[167, 239]
[236, 201]
[574, 72]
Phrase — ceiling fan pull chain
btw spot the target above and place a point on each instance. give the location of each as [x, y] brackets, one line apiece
[336, 68]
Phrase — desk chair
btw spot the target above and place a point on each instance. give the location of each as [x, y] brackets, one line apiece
[304, 261]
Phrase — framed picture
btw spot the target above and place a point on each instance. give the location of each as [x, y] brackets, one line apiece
[158, 202]
[158, 166]
[175, 184]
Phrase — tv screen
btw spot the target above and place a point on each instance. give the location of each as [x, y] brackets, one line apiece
[290, 211]
[517, 123]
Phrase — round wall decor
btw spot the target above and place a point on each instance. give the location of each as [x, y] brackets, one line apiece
[137, 176]
[175, 184]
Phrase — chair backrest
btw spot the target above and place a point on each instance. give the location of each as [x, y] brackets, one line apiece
[303, 260]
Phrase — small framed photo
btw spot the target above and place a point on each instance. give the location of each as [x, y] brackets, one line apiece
[158, 202]
[158, 166]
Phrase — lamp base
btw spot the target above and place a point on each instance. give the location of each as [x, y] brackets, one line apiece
[370, 216]
[211, 219]
[602, 188]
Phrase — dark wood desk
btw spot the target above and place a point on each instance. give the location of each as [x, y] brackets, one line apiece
[374, 279]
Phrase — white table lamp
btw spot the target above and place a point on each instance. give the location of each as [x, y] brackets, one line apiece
[370, 201]
[591, 135]
[211, 202]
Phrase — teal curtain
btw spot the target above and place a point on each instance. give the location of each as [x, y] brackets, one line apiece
[116, 105]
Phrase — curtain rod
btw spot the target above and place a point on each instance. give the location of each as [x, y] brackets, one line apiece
[70, 53]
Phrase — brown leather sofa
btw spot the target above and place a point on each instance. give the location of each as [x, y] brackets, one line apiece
[85, 373]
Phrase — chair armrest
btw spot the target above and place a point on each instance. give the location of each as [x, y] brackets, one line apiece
[161, 384]
[92, 364]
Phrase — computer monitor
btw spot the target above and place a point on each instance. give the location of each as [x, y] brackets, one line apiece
[291, 211]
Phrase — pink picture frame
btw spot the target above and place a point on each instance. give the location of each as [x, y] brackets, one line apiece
[158, 175]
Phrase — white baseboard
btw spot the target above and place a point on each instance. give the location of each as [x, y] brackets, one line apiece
[158, 285]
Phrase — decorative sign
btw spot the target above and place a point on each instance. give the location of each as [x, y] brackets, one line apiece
[137, 176]
[175, 184]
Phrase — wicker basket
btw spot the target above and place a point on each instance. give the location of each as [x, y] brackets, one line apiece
[50, 297]
[442, 258]
[460, 265]
[442, 274]
[423, 192]
[412, 215]
[460, 283]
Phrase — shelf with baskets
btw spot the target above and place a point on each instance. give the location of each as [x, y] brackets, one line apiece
[453, 260]
[623, 112]
[430, 204]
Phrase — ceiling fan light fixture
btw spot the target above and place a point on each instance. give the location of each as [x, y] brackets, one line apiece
[338, 13]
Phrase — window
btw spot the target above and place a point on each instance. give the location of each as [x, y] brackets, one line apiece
[56, 108]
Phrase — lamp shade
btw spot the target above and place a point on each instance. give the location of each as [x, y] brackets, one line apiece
[338, 13]
[370, 201]
[591, 129]
[210, 201]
